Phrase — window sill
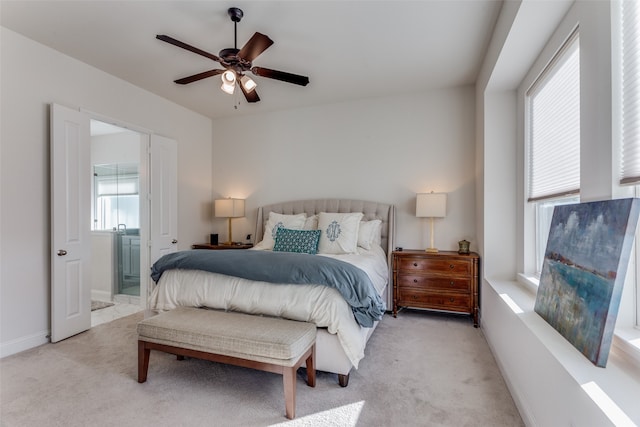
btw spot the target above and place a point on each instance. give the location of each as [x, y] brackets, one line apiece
[618, 382]
[626, 340]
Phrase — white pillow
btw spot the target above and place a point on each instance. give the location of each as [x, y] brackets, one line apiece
[311, 223]
[369, 233]
[339, 232]
[275, 221]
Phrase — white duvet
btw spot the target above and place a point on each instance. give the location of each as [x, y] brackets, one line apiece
[318, 304]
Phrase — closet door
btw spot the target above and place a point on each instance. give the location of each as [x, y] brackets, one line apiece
[70, 223]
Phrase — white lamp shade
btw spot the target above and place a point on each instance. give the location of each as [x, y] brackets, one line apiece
[229, 208]
[431, 205]
[228, 77]
[228, 82]
[247, 83]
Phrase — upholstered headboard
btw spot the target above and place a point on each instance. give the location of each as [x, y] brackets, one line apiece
[371, 210]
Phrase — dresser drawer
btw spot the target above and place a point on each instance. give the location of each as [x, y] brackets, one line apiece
[432, 265]
[412, 297]
[461, 284]
[443, 281]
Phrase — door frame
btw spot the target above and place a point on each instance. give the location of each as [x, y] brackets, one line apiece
[144, 197]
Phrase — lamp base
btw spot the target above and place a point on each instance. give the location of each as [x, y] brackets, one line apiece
[431, 250]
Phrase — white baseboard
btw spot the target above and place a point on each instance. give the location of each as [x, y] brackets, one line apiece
[24, 343]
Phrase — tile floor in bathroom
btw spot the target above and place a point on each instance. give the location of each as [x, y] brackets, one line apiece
[116, 311]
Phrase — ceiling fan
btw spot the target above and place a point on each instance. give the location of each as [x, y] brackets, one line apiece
[237, 62]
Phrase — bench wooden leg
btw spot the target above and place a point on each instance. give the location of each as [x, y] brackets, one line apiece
[143, 361]
[311, 367]
[289, 382]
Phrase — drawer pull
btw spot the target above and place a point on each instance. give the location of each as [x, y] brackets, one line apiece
[415, 264]
[451, 283]
[415, 280]
[451, 266]
[451, 300]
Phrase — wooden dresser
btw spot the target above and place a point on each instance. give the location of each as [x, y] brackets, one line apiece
[444, 281]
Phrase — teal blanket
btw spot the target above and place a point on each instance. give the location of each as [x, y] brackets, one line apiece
[284, 267]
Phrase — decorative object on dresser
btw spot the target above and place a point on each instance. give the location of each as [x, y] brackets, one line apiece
[221, 247]
[443, 281]
[463, 247]
[431, 205]
[229, 208]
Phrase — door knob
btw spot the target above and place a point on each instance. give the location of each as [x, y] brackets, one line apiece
[174, 241]
[62, 252]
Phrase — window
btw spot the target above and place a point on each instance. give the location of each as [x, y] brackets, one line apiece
[630, 170]
[630, 115]
[116, 200]
[553, 130]
[544, 214]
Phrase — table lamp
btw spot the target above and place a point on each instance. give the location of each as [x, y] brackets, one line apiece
[431, 205]
[229, 208]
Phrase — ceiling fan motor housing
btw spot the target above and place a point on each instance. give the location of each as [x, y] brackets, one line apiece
[235, 13]
[231, 60]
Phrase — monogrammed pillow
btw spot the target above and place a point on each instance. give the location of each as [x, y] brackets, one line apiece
[275, 221]
[339, 232]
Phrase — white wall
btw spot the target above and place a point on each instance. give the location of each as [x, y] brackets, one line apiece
[378, 149]
[103, 272]
[543, 371]
[32, 77]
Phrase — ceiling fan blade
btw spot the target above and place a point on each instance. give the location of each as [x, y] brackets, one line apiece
[281, 75]
[257, 44]
[188, 47]
[199, 76]
[250, 96]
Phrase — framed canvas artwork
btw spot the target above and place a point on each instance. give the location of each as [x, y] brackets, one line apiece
[583, 272]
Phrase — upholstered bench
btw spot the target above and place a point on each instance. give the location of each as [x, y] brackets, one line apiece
[265, 343]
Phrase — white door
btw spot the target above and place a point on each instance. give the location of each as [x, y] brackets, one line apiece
[164, 196]
[70, 223]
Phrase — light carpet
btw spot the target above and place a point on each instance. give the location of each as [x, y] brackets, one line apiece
[419, 370]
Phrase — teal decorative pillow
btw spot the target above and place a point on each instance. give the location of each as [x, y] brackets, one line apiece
[300, 241]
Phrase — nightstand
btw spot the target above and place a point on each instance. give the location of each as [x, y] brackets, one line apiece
[221, 247]
[442, 281]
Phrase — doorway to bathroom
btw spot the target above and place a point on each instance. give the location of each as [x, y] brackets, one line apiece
[116, 214]
[75, 265]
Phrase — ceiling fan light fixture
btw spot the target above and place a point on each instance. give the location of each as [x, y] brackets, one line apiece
[236, 62]
[228, 82]
[247, 83]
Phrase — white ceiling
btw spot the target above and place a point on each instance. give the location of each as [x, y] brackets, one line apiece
[349, 49]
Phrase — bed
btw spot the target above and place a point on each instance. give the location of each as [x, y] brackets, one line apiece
[343, 327]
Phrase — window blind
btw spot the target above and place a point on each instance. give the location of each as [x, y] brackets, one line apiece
[117, 186]
[554, 126]
[630, 168]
